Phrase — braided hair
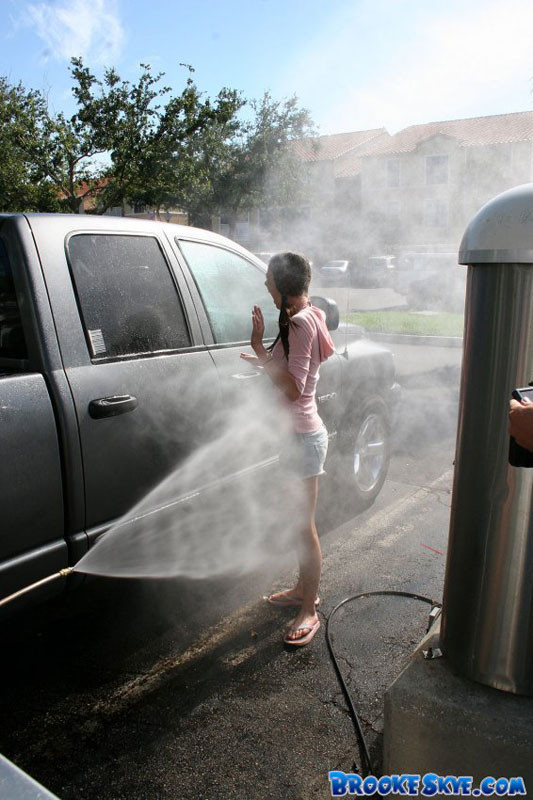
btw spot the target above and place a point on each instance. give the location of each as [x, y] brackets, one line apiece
[292, 275]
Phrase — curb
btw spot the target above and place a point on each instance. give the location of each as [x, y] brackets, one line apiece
[405, 338]
[401, 338]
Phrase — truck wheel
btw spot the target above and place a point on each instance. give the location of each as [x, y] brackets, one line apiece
[364, 454]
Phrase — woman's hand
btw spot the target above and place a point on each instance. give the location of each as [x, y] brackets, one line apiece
[252, 360]
[256, 342]
[263, 358]
[258, 330]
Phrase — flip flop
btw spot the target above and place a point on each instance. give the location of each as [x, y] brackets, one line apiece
[283, 600]
[303, 640]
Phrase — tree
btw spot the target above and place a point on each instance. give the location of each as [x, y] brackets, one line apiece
[200, 170]
[138, 142]
[123, 143]
[56, 151]
[264, 170]
[189, 147]
[22, 186]
[150, 144]
[235, 166]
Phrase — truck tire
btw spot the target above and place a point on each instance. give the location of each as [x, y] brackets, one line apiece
[363, 454]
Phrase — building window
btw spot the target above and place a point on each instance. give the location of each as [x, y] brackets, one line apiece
[436, 170]
[436, 213]
[304, 212]
[393, 173]
[223, 225]
[266, 217]
[242, 226]
[393, 211]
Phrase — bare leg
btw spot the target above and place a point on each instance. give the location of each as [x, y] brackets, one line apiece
[310, 561]
[307, 505]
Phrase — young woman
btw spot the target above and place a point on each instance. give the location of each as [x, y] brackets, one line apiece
[292, 365]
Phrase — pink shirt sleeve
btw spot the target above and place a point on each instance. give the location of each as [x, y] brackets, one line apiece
[301, 334]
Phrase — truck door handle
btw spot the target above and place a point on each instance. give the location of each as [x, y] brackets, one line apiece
[323, 398]
[112, 406]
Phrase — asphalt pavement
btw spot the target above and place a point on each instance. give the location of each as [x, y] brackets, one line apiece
[178, 689]
[175, 689]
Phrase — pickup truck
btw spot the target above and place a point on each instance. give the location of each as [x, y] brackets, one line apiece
[97, 316]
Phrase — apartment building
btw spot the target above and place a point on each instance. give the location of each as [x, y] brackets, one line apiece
[420, 187]
[373, 193]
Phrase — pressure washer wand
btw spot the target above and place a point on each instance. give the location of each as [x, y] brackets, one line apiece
[63, 573]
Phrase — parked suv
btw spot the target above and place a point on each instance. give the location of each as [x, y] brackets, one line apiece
[378, 271]
[336, 273]
[431, 280]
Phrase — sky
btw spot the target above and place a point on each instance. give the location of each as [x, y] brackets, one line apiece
[354, 64]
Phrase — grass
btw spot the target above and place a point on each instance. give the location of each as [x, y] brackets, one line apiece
[442, 323]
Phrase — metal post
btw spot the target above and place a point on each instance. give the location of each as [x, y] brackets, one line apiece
[487, 620]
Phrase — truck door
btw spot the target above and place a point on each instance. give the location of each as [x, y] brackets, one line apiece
[227, 286]
[144, 386]
[32, 543]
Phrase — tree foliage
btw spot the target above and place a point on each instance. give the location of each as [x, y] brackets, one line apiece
[141, 143]
[265, 170]
[22, 185]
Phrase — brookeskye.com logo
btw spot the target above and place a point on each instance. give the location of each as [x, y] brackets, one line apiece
[428, 785]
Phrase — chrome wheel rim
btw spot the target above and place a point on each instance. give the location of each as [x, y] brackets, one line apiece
[369, 452]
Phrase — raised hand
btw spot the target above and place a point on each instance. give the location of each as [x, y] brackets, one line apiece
[258, 330]
[252, 360]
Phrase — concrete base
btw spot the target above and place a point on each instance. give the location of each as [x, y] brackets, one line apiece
[437, 721]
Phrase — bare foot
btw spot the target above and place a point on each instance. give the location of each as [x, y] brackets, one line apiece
[302, 629]
[301, 626]
[285, 594]
[287, 597]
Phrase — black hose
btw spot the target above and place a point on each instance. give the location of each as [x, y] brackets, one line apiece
[367, 767]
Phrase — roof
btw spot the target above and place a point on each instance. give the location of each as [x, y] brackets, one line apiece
[329, 148]
[84, 189]
[349, 166]
[499, 129]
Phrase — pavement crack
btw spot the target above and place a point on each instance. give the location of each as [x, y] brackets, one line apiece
[339, 704]
[346, 661]
[367, 722]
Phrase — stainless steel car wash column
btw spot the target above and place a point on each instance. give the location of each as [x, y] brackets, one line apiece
[487, 620]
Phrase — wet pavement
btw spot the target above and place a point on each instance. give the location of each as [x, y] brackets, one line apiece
[181, 688]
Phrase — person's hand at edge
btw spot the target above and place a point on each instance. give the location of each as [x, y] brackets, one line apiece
[521, 423]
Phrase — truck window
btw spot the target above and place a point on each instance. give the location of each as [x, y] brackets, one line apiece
[12, 343]
[230, 286]
[128, 300]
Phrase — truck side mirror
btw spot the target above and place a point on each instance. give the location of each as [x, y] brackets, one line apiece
[330, 308]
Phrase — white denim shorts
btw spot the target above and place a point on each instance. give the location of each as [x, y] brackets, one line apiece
[304, 457]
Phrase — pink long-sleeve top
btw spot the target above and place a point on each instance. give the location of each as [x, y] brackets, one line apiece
[309, 345]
